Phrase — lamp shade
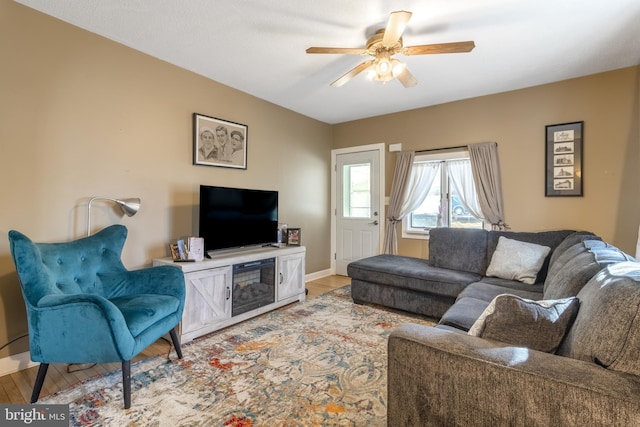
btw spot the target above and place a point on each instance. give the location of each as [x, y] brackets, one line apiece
[128, 206]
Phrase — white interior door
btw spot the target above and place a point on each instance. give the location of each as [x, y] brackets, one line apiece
[358, 219]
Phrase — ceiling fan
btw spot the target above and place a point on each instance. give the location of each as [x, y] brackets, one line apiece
[383, 45]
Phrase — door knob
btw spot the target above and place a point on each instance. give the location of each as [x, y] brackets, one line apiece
[374, 222]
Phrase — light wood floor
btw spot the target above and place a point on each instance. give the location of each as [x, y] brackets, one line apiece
[16, 388]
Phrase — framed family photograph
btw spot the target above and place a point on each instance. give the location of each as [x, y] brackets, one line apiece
[293, 236]
[563, 168]
[219, 142]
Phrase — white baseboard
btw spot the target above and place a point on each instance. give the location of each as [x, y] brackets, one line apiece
[15, 363]
[317, 275]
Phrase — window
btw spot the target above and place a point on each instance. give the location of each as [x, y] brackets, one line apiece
[357, 191]
[450, 200]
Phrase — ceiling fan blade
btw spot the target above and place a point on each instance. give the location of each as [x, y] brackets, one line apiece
[406, 78]
[395, 27]
[339, 50]
[427, 49]
[352, 73]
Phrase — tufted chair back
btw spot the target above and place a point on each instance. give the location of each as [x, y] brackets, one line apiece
[68, 268]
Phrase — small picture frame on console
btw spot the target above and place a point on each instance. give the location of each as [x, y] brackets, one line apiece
[293, 236]
[175, 252]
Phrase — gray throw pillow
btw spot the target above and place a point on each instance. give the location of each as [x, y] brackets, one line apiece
[538, 325]
[516, 260]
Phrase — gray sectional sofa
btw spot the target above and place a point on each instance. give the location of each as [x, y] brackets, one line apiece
[561, 349]
[457, 258]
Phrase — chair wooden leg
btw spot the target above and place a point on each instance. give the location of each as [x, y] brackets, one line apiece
[176, 342]
[126, 383]
[37, 387]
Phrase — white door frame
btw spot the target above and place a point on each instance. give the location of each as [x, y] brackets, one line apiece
[380, 147]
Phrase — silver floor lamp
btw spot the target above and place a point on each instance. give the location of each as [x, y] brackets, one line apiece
[129, 208]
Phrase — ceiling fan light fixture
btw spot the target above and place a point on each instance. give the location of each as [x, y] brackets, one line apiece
[371, 72]
[385, 43]
[397, 67]
[383, 67]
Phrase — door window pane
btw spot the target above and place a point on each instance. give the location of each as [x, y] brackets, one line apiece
[357, 191]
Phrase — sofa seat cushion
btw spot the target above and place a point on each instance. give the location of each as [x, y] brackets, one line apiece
[607, 328]
[516, 260]
[476, 297]
[410, 273]
[487, 291]
[450, 329]
[463, 314]
[537, 325]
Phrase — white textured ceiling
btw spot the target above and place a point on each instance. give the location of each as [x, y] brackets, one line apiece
[258, 46]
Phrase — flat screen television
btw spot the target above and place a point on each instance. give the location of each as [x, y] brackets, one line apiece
[237, 217]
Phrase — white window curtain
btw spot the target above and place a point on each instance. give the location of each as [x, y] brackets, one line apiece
[486, 173]
[461, 176]
[422, 177]
[411, 184]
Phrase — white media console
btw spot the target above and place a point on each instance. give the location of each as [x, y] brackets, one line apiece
[236, 285]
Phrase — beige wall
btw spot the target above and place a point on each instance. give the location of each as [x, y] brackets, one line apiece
[608, 103]
[83, 116]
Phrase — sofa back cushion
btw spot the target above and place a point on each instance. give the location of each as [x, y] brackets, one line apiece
[570, 271]
[550, 239]
[459, 249]
[570, 240]
[606, 330]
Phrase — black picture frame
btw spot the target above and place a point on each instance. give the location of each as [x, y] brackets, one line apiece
[564, 144]
[219, 143]
[294, 236]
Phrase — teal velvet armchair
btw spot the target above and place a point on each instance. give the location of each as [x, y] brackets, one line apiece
[84, 306]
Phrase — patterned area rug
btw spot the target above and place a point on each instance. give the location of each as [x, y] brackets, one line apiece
[317, 363]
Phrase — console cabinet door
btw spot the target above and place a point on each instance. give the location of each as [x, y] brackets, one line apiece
[207, 301]
[290, 275]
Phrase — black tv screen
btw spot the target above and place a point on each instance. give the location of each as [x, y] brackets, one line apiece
[237, 217]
